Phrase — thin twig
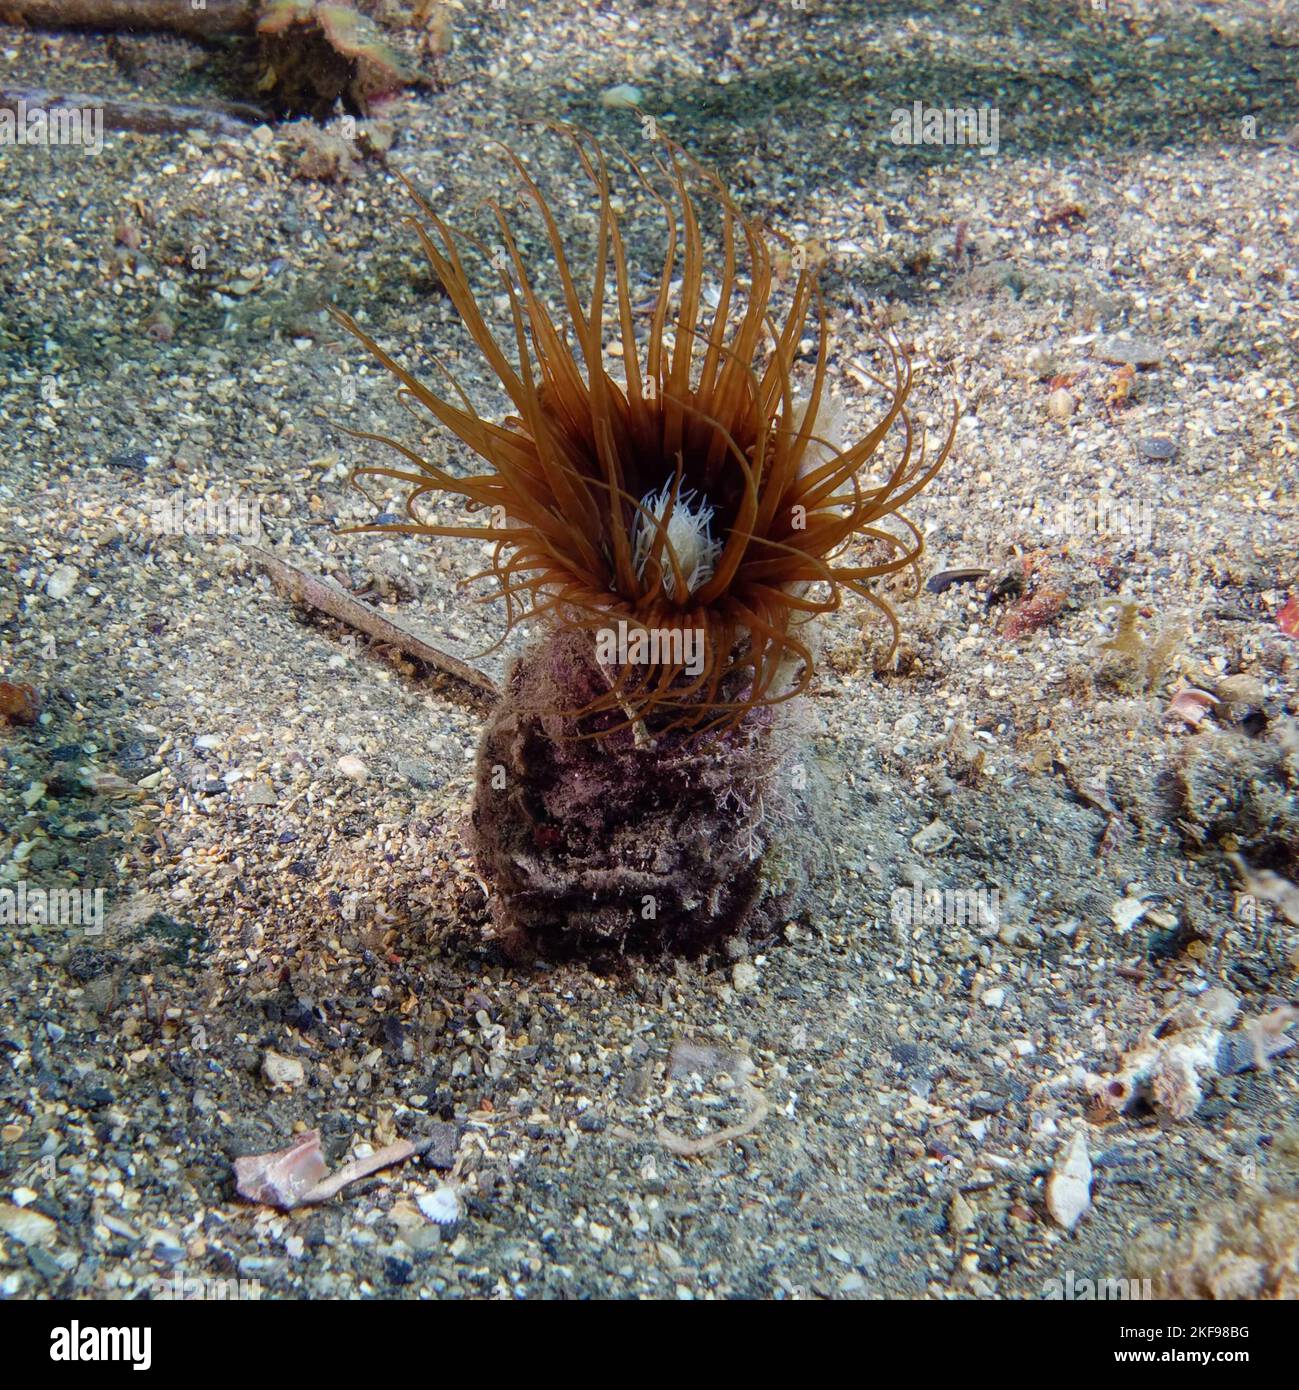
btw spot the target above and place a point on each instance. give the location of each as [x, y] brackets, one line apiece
[640, 734]
[315, 591]
[356, 1169]
[209, 20]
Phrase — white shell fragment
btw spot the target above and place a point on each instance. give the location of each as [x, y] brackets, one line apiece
[62, 582]
[441, 1206]
[621, 97]
[1126, 913]
[1069, 1187]
[1190, 705]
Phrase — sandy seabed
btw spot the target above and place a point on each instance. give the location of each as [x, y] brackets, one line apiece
[274, 809]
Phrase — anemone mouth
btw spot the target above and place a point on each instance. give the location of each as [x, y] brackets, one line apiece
[694, 488]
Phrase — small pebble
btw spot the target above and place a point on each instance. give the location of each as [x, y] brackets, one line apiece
[61, 583]
[1157, 448]
[1068, 1189]
[260, 794]
[283, 1072]
[26, 1226]
[744, 975]
[621, 96]
[1134, 352]
[960, 1215]
[1041, 361]
[1061, 404]
[934, 837]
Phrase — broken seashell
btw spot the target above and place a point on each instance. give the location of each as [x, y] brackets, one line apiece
[281, 1179]
[1069, 1186]
[1190, 705]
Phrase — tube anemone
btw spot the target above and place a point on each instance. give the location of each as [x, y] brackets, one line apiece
[673, 483]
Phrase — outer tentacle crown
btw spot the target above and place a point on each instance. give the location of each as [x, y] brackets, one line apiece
[692, 490]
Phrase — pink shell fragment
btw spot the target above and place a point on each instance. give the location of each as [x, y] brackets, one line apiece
[281, 1179]
[1190, 705]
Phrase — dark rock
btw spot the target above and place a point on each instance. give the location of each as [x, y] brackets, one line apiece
[93, 1097]
[907, 1055]
[134, 459]
[442, 1139]
[418, 774]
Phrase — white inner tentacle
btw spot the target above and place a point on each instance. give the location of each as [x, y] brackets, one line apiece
[689, 537]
